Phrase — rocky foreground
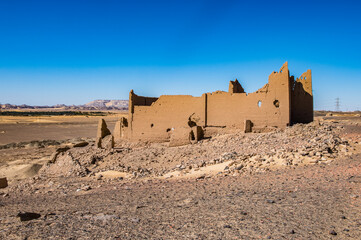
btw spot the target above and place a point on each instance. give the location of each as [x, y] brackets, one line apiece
[300, 183]
[256, 152]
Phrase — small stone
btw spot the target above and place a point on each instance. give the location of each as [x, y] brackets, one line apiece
[86, 188]
[292, 231]
[81, 144]
[201, 177]
[270, 201]
[135, 220]
[343, 217]
[227, 226]
[332, 232]
[27, 216]
[3, 182]
[239, 167]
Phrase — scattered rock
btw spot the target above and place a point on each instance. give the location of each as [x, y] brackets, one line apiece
[81, 144]
[332, 232]
[239, 167]
[135, 220]
[107, 142]
[3, 182]
[201, 177]
[27, 216]
[86, 188]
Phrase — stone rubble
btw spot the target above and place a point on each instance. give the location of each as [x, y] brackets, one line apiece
[312, 143]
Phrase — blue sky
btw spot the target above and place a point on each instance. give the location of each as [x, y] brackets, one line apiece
[73, 52]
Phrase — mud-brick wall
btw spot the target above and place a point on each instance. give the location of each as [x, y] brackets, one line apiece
[152, 119]
[302, 99]
[155, 122]
[143, 101]
[269, 106]
[135, 100]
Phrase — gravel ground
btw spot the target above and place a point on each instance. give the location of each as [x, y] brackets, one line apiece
[286, 200]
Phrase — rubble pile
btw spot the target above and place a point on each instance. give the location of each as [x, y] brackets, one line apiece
[252, 152]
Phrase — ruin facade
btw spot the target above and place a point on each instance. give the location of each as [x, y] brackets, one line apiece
[183, 119]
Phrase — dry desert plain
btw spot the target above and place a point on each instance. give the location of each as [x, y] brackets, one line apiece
[300, 183]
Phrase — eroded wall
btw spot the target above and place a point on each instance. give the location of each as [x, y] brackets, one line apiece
[279, 103]
[302, 99]
[235, 87]
[156, 122]
[231, 109]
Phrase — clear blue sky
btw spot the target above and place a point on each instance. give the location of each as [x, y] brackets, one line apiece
[73, 52]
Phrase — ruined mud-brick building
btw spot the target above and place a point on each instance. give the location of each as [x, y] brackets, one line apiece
[183, 118]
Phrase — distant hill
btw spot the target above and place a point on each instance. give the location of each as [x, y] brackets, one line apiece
[108, 104]
[93, 105]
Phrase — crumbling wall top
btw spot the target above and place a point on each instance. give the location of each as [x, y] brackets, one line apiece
[235, 87]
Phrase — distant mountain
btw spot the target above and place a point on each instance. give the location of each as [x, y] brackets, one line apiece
[108, 104]
[93, 105]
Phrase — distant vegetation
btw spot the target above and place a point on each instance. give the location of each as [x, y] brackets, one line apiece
[49, 113]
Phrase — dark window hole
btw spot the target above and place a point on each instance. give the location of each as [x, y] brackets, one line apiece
[276, 103]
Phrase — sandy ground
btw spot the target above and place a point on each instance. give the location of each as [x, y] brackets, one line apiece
[23, 129]
[285, 189]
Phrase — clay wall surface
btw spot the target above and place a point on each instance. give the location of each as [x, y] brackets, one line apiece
[281, 102]
[231, 109]
[156, 122]
[135, 100]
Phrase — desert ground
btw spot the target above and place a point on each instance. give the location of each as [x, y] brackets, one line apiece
[303, 182]
[15, 129]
